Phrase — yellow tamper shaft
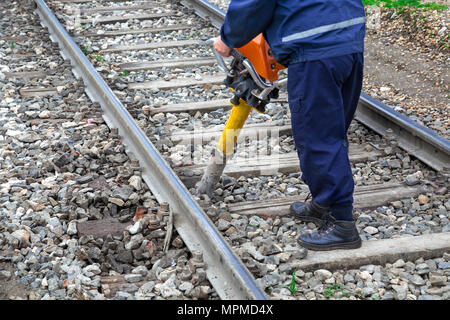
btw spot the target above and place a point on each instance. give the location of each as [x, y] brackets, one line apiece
[236, 121]
[225, 147]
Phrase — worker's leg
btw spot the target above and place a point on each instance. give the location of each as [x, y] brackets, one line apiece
[323, 96]
[319, 126]
[351, 90]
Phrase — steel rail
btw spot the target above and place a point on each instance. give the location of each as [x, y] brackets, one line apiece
[417, 140]
[206, 10]
[224, 269]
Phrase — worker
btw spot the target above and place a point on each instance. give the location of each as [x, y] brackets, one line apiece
[322, 43]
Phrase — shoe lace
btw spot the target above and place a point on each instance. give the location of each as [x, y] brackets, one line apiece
[327, 224]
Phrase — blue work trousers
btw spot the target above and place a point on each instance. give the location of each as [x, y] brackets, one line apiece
[323, 96]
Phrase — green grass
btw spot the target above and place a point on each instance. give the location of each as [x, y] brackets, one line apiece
[12, 45]
[292, 286]
[332, 289]
[405, 3]
[124, 73]
[345, 294]
[92, 54]
[329, 292]
[99, 58]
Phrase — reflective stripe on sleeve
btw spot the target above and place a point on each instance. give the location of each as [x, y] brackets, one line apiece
[322, 29]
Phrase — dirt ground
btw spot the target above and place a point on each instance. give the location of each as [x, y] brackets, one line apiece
[406, 65]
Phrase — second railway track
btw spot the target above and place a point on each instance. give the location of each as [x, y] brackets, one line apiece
[154, 58]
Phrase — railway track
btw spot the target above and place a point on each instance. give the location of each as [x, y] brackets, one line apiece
[148, 67]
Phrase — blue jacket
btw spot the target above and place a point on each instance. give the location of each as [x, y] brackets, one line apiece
[297, 30]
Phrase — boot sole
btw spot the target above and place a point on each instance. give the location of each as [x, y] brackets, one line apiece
[317, 247]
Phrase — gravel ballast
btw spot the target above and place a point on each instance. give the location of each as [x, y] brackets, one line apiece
[76, 219]
[82, 169]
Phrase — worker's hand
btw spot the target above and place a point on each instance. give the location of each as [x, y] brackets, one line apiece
[221, 47]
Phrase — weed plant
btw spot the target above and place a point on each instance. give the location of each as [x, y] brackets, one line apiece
[405, 3]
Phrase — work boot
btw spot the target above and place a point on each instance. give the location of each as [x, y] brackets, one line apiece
[309, 211]
[332, 234]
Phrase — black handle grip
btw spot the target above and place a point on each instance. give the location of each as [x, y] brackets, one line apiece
[237, 55]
